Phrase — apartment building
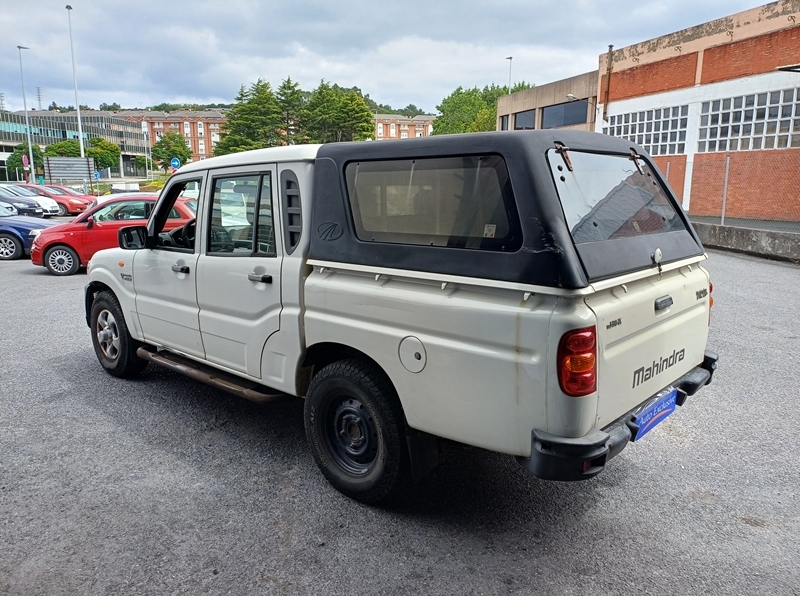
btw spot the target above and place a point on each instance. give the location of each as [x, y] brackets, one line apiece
[200, 129]
[397, 126]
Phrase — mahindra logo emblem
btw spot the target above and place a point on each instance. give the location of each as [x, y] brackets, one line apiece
[330, 230]
[640, 375]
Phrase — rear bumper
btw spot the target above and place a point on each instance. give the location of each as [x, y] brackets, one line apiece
[569, 459]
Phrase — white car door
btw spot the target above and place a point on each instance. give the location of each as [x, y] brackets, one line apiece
[164, 279]
[239, 268]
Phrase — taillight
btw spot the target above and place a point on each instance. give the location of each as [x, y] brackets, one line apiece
[710, 301]
[577, 362]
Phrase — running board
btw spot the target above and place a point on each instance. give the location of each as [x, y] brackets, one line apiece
[208, 375]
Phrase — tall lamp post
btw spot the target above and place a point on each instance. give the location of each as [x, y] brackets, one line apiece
[32, 177]
[509, 58]
[75, 80]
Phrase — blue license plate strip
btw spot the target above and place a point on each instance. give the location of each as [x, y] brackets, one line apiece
[655, 413]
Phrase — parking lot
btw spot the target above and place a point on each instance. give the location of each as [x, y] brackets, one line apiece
[162, 485]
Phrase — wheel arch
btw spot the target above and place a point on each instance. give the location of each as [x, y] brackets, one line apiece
[324, 353]
[90, 291]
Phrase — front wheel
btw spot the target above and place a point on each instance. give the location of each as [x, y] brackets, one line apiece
[62, 260]
[10, 247]
[62, 210]
[113, 344]
[355, 425]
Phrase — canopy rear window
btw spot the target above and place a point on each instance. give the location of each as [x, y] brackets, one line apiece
[618, 212]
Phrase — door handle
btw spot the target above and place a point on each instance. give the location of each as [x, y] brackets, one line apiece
[262, 279]
[663, 302]
[180, 269]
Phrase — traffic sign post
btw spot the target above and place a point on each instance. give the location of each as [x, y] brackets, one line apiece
[175, 163]
[96, 175]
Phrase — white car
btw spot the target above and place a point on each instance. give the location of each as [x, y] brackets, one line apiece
[48, 205]
[539, 294]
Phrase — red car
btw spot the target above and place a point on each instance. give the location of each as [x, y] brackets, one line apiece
[70, 202]
[65, 248]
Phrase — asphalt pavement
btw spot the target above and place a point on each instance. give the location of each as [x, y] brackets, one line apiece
[162, 485]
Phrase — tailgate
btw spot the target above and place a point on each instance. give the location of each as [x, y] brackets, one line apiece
[644, 342]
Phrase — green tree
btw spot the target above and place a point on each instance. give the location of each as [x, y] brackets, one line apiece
[291, 101]
[68, 148]
[14, 160]
[471, 110]
[141, 162]
[172, 144]
[105, 107]
[105, 153]
[336, 114]
[253, 122]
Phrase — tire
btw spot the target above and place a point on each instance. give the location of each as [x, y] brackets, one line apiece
[62, 260]
[356, 428]
[113, 344]
[10, 248]
[62, 210]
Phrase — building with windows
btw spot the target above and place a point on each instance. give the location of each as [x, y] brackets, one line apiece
[200, 129]
[53, 127]
[397, 126]
[723, 108]
[717, 105]
[547, 106]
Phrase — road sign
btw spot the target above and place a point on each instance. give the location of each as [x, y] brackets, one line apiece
[96, 175]
[25, 161]
[175, 163]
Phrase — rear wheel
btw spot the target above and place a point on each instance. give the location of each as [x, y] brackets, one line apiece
[62, 260]
[10, 247]
[113, 344]
[355, 425]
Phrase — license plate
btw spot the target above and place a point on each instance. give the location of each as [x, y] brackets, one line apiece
[655, 413]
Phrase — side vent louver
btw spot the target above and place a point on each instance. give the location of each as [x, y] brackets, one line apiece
[292, 212]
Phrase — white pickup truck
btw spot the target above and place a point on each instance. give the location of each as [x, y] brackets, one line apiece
[537, 293]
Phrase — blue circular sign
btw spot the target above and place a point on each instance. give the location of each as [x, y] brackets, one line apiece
[175, 163]
[96, 175]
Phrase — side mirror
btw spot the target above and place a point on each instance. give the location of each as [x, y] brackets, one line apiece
[132, 237]
[89, 222]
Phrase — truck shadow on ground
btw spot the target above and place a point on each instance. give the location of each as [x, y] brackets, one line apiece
[471, 489]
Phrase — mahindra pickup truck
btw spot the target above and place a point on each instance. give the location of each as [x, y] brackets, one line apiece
[539, 294]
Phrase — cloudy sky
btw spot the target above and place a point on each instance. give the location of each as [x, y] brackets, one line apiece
[144, 52]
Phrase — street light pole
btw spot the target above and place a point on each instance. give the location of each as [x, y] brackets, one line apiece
[75, 80]
[509, 58]
[32, 177]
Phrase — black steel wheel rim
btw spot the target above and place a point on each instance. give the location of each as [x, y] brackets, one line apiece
[351, 434]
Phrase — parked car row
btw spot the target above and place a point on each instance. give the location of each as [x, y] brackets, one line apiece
[67, 247]
[68, 201]
[63, 248]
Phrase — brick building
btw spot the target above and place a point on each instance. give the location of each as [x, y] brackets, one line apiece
[397, 126]
[711, 98]
[200, 129]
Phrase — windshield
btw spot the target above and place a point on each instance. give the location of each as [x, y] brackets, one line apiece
[55, 191]
[21, 190]
[606, 197]
[72, 191]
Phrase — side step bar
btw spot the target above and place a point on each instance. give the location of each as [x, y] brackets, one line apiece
[210, 376]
